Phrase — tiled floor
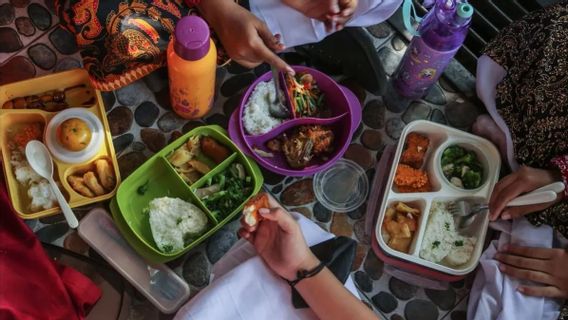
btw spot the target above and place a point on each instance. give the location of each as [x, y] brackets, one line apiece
[142, 122]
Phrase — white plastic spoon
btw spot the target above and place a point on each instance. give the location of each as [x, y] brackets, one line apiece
[40, 160]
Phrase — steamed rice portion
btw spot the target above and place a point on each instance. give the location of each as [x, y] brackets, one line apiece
[442, 243]
[256, 116]
[38, 189]
[175, 223]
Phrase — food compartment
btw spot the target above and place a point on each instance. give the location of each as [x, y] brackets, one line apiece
[90, 181]
[415, 155]
[401, 225]
[225, 189]
[51, 93]
[323, 100]
[463, 165]
[193, 157]
[302, 144]
[446, 245]
[154, 180]
[30, 194]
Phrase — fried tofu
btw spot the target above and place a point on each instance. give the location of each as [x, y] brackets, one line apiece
[78, 184]
[92, 183]
[250, 211]
[105, 174]
[415, 149]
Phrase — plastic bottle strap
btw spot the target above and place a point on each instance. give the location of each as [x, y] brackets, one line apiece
[409, 15]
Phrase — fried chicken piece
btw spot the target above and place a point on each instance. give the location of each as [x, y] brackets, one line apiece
[92, 183]
[250, 211]
[322, 138]
[105, 174]
[415, 149]
[407, 177]
[78, 184]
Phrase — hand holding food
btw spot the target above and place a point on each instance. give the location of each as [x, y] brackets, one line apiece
[524, 180]
[251, 217]
[279, 241]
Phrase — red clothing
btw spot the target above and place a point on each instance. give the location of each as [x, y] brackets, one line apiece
[562, 163]
[32, 286]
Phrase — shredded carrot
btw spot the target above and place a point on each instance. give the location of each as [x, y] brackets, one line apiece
[408, 178]
[27, 133]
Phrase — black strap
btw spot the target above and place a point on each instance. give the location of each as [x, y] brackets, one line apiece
[303, 274]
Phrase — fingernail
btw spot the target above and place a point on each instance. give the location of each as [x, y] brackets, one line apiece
[340, 27]
[521, 289]
[263, 211]
[290, 70]
[502, 267]
[506, 216]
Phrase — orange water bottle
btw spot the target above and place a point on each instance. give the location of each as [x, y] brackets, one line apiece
[192, 59]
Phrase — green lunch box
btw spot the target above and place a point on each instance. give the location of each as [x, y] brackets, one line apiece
[128, 206]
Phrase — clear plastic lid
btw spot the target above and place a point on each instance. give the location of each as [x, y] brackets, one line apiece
[160, 284]
[343, 187]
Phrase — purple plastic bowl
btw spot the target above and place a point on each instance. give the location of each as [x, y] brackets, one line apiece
[346, 116]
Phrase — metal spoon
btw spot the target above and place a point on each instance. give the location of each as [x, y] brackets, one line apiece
[40, 160]
[277, 108]
[465, 211]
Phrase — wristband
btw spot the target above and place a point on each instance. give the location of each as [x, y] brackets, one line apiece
[303, 274]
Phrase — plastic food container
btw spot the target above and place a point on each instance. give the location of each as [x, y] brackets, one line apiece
[160, 284]
[128, 206]
[343, 187]
[345, 117]
[440, 137]
[62, 170]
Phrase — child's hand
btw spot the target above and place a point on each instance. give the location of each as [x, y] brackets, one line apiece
[246, 39]
[545, 266]
[338, 21]
[526, 179]
[279, 242]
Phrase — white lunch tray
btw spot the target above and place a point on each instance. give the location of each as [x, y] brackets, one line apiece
[441, 137]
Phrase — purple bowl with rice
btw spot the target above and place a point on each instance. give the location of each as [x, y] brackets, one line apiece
[344, 118]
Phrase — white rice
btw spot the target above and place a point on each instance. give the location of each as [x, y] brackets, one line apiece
[256, 116]
[38, 189]
[174, 221]
[442, 243]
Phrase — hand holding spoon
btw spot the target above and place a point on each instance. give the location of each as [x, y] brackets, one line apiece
[40, 160]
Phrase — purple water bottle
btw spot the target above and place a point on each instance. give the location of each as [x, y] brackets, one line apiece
[439, 36]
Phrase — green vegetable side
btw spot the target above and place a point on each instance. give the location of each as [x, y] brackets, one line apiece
[462, 168]
[226, 191]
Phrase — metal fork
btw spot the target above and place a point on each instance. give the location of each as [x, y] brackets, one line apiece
[466, 210]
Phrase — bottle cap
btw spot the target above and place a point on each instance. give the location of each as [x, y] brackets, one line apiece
[465, 10]
[191, 38]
